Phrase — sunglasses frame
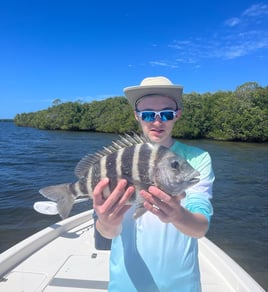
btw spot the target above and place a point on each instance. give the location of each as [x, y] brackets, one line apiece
[157, 114]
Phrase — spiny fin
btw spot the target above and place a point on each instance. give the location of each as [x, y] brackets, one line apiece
[62, 195]
[124, 141]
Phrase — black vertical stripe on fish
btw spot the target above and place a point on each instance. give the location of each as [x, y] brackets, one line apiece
[145, 163]
[126, 162]
[103, 174]
[95, 174]
[126, 166]
[135, 172]
[111, 169]
[161, 151]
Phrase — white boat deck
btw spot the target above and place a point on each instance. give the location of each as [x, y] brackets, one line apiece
[68, 261]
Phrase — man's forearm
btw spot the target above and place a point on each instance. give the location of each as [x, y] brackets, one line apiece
[192, 224]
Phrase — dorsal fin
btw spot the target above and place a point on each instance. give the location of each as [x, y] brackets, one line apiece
[124, 141]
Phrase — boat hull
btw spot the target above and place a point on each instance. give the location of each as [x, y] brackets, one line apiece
[63, 257]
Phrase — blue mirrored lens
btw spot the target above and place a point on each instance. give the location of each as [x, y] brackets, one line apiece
[150, 116]
[166, 116]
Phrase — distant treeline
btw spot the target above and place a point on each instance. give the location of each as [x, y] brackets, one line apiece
[240, 115]
[6, 120]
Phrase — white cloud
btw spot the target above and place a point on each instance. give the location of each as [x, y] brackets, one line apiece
[242, 44]
[163, 64]
[254, 14]
[232, 21]
[240, 36]
[256, 10]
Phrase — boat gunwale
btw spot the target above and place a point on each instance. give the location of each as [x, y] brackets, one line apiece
[15, 255]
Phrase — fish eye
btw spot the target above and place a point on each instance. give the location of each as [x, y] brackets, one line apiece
[175, 164]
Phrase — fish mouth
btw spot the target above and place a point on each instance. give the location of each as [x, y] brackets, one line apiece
[194, 180]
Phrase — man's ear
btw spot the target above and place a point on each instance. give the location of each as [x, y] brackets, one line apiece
[178, 115]
[136, 116]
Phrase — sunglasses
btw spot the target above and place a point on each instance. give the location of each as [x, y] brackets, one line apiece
[150, 116]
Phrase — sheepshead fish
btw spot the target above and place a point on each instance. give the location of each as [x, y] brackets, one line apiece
[133, 158]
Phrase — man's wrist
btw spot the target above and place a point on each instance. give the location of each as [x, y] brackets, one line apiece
[108, 231]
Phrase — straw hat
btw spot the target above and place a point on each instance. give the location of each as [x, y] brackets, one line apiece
[154, 85]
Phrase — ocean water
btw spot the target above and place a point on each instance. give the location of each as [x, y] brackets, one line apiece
[31, 159]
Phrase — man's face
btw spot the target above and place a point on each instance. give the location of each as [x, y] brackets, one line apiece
[157, 131]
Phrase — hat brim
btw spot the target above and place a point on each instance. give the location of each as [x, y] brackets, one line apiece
[136, 92]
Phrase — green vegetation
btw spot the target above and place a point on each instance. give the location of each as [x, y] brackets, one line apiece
[241, 115]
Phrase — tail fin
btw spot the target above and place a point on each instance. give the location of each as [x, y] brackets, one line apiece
[62, 195]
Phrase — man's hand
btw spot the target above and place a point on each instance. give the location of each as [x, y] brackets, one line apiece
[169, 210]
[111, 211]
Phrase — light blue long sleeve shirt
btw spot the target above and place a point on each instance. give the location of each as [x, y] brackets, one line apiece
[150, 255]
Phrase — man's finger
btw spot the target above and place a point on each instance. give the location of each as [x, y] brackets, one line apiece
[98, 191]
[116, 194]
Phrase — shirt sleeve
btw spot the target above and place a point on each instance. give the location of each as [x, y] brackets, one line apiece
[198, 204]
[198, 197]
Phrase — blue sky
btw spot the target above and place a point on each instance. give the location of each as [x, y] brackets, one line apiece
[91, 50]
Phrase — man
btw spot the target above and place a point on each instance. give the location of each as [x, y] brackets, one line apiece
[159, 250]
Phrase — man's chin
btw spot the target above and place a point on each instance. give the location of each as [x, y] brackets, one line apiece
[156, 136]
